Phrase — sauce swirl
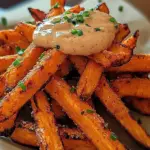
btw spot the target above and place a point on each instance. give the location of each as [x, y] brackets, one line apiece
[94, 34]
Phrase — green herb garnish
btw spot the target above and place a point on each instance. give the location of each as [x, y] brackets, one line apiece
[79, 18]
[72, 89]
[121, 8]
[42, 55]
[74, 31]
[90, 111]
[86, 14]
[99, 1]
[4, 21]
[87, 25]
[113, 136]
[97, 29]
[16, 63]
[19, 50]
[21, 84]
[57, 5]
[79, 32]
[113, 20]
[67, 12]
[57, 20]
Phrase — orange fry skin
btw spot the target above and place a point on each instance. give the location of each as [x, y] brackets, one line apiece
[89, 79]
[37, 14]
[143, 62]
[137, 87]
[74, 107]
[116, 107]
[14, 74]
[46, 130]
[26, 30]
[32, 82]
[103, 8]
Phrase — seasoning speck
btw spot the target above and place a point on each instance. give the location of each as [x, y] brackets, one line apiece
[90, 111]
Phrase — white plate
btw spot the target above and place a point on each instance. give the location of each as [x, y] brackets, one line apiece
[130, 15]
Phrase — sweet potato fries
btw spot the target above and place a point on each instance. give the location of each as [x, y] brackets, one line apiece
[61, 87]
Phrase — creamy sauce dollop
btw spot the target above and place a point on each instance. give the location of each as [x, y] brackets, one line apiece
[49, 34]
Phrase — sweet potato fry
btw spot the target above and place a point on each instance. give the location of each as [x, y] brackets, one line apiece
[141, 105]
[116, 107]
[79, 62]
[103, 8]
[118, 54]
[7, 124]
[6, 61]
[13, 37]
[26, 30]
[32, 82]
[15, 73]
[60, 2]
[57, 109]
[7, 49]
[55, 12]
[143, 62]
[89, 79]
[78, 111]
[37, 14]
[137, 87]
[28, 137]
[123, 32]
[46, 130]
[76, 9]
[64, 68]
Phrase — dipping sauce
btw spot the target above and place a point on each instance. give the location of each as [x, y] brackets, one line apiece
[77, 34]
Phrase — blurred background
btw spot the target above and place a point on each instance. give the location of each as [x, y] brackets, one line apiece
[142, 5]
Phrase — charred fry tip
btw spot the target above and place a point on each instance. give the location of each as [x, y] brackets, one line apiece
[136, 34]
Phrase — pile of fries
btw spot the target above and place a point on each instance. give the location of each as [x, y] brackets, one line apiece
[41, 77]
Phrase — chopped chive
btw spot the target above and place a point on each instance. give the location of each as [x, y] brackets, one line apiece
[19, 50]
[80, 18]
[90, 111]
[79, 32]
[30, 22]
[16, 63]
[4, 21]
[58, 20]
[113, 136]
[72, 89]
[57, 47]
[113, 20]
[42, 55]
[22, 86]
[87, 25]
[97, 29]
[66, 17]
[121, 8]
[57, 5]
[67, 12]
[74, 31]
[92, 9]
[86, 14]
